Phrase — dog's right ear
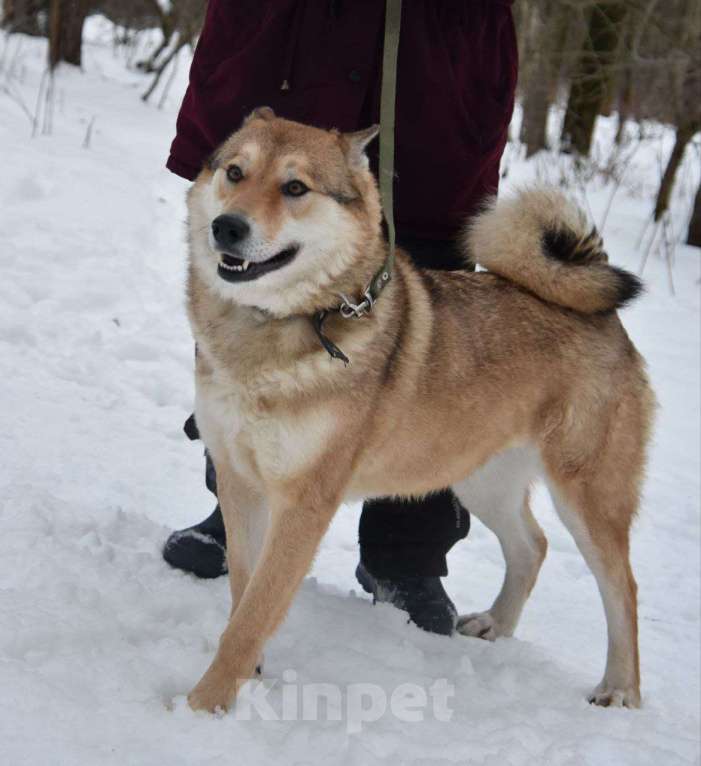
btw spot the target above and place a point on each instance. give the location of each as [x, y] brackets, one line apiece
[355, 144]
[260, 113]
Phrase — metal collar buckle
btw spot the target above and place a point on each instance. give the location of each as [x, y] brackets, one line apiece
[350, 310]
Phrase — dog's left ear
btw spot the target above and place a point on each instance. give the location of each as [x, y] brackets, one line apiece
[260, 113]
[355, 143]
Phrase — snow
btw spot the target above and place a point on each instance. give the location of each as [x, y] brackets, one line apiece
[100, 640]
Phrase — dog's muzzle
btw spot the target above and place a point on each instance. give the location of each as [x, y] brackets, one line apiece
[230, 232]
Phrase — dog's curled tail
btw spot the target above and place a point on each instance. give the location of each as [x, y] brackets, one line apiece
[542, 241]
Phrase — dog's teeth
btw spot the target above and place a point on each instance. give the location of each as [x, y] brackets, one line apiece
[233, 268]
[245, 265]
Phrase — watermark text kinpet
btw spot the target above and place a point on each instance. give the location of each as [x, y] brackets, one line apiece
[357, 704]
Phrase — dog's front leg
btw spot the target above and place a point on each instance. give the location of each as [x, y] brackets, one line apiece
[245, 520]
[295, 529]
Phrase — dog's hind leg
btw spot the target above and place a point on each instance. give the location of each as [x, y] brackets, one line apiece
[599, 521]
[594, 464]
[497, 494]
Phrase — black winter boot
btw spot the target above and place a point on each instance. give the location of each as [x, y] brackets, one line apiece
[200, 549]
[424, 598]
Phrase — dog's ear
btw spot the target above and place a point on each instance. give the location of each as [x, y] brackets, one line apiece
[355, 144]
[212, 162]
[260, 113]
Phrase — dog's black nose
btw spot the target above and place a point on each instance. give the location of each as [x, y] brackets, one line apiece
[229, 230]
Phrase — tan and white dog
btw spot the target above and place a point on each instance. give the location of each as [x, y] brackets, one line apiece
[479, 381]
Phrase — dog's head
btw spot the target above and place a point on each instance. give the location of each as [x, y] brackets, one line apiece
[283, 213]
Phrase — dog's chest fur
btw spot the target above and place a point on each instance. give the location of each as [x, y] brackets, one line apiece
[253, 399]
[259, 443]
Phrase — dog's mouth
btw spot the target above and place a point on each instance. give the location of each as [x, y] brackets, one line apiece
[232, 268]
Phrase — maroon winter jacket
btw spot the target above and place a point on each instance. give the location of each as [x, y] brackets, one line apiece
[319, 62]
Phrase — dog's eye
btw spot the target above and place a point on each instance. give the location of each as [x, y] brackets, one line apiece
[295, 188]
[234, 173]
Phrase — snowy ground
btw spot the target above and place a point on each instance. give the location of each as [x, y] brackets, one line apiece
[99, 639]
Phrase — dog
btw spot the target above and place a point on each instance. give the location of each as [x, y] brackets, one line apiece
[480, 381]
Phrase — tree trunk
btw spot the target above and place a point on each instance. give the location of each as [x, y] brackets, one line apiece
[634, 26]
[693, 236]
[592, 75]
[685, 133]
[24, 16]
[66, 19]
[522, 11]
[547, 35]
[536, 106]
[625, 102]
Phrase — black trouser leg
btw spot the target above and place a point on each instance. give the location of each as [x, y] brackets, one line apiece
[193, 434]
[410, 538]
[200, 549]
[214, 524]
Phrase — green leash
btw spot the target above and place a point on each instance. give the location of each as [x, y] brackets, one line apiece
[388, 97]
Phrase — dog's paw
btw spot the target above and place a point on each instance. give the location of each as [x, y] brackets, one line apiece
[608, 696]
[211, 698]
[214, 693]
[199, 699]
[478, 625]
